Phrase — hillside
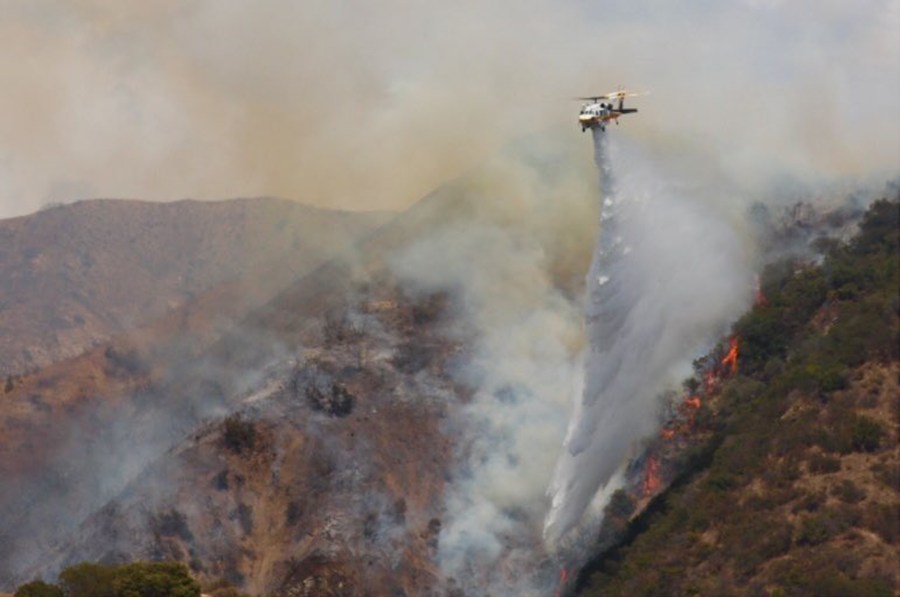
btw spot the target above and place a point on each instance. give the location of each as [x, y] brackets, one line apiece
[159, 284]
[75, 275]
[312, 448]
[327, 479]
[794, 489]
[317, 446]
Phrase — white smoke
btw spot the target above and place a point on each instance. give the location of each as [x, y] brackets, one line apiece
[364, 106]
[670, 272]
[524, 327]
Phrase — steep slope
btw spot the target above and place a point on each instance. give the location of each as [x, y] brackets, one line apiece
[326, 480]
[211, 263]
[354, 390]
[796, 490]
[77, 274]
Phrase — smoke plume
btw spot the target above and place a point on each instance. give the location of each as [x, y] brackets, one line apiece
[514, 267]
[353, 105]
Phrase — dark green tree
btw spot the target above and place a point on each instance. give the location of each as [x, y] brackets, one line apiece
[38, 588]
[155, 579]
[87, 580]
[138, 579]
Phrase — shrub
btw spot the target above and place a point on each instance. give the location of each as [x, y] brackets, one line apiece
[127, 361]
[811, 502]
[172, 524]
[867, 434]
[88, 580]
[888, 474]
[769, 541]
[883, 520]
[338, 403]
[239, 435]
[138, 579]
[155, 579]
[222, 588]
[823, 463]
[338, 327]
[848, 492]
[813, 531]
[220, 481]
[428, 309]
[38, 588]
[620, 505]
[721, 481]
[821, 527]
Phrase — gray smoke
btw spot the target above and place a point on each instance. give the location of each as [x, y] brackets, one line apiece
[669, 273]
[509, 269]
[214, 98]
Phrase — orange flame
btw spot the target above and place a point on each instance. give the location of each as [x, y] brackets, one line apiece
[693, 402]
[563, 579]
[667, 433]
[651, 476]
[731, 359]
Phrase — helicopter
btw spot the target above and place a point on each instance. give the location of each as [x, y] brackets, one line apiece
[600, 109]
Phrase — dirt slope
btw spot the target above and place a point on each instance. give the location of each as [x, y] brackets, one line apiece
[77, 274]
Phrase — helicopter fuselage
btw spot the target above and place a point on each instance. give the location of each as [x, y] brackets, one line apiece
[599, 114]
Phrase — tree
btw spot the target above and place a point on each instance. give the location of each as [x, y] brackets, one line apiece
[138, 579]
[155, 579]
[38, 588]
[87, 580]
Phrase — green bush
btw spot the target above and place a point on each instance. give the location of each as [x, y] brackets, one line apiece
[848, 492]
[721, 481]
[88, 580]
[38, 588]
[222, 588]
[888, 474]
[823, 463]
[155, 579]
[813, 531]
[883, 520]
[138, 579]
[811, 502]
[620, 505]
[867, 434]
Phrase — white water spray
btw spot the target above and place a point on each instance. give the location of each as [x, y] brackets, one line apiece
[667, 276]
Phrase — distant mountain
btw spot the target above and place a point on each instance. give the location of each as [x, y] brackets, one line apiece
[75, 275]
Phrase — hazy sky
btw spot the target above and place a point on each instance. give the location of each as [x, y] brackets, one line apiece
[367, 105]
